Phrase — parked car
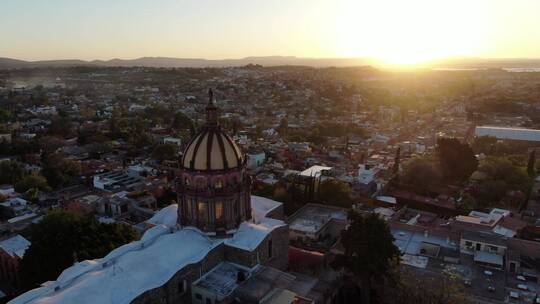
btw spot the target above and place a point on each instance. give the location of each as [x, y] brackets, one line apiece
[521, 278]
[491, 288]
[523, 287]
[488, 273]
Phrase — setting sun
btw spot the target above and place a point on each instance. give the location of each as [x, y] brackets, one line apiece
[409, 32]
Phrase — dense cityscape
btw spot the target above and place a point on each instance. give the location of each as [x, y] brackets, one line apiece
[360, 179]
[270, 152]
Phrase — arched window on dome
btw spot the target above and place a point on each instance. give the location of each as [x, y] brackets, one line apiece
[234, 180]
[189, 208]
[200, 182]
[218, 183]
[219, 211]
[202, 211]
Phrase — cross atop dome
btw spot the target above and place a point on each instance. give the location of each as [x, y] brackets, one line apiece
[211, 110]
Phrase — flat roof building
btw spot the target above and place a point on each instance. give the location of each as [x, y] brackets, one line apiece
[521, 134]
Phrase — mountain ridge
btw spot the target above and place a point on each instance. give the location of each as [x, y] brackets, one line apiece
[170, 62]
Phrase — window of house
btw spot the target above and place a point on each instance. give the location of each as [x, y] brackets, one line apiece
[269, 248]
[493, 248]
[123, 208]
[468, 243]
[219, 210]
[186, 181]
[478, 246]
[198, 296]
[208, 301]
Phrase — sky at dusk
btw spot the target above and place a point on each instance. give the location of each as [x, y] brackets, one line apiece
[396, 31]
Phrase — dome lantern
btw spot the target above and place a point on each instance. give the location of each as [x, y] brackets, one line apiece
[211, 110]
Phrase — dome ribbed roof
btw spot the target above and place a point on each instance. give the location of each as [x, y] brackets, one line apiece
[212, 149]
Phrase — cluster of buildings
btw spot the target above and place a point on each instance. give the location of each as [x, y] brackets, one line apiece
[219, 243]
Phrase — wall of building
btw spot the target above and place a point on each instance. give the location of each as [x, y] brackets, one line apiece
[171, 292]
[8, 268]
[483, 247]
[279, 238]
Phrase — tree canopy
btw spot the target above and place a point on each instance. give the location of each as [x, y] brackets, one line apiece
[420, 172]
[62, 238]
[60, 171]
[32, 181]
[369, 251]
[334, 192]
[457, 160]
[11, 172]
[165, 152]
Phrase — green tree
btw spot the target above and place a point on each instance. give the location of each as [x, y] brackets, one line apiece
[502, 169]
[335, 192]
[63, 238]
[369, 252]
[5, 115]
[32, 181]
[182, 122]
[466, 203]
[420, 173]
[484, 144]
[61, 126]
[59, 171]
[165, 152]
[530, 164]
[457, 160]
[11, 172]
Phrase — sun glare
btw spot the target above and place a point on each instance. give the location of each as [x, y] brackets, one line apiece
[408, 32]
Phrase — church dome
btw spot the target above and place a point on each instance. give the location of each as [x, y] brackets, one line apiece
[213, 186]
[212, 149]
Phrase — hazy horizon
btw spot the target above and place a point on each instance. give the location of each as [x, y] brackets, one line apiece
[391, 31]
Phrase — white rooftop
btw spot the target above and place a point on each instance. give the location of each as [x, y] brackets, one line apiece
[409, 242]
[508, 133]
[15, 246]
[314, 171]
[134, 268]
[12, 202]
[311, 218]
[166, 216]
[223, 279]
[387, 199]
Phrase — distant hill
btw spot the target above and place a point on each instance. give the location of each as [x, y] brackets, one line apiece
[458, 62]
[8, 63]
